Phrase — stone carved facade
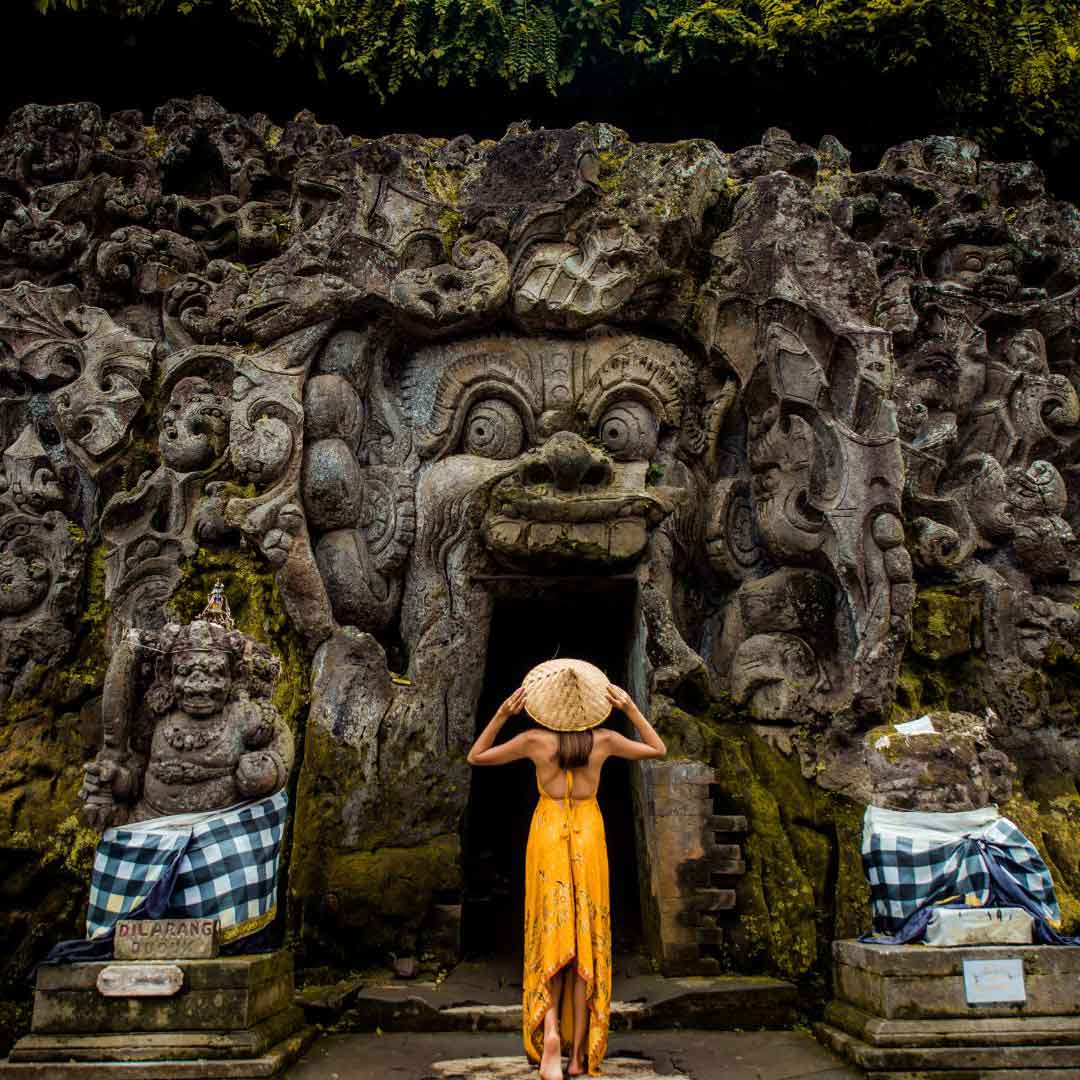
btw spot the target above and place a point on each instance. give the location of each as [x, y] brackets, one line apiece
[823, 421]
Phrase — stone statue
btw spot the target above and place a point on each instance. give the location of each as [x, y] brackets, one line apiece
[204, 737]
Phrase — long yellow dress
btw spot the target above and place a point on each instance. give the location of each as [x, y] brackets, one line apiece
[567, 917]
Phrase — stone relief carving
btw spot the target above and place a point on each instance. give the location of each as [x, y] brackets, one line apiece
[825, 422]
[72, 382]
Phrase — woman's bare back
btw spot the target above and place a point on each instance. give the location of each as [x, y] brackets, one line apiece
[545, 756]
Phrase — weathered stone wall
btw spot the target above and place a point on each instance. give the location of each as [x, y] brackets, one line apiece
[824, 420]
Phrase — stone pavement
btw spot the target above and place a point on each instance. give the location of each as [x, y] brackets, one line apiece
[661, 1055]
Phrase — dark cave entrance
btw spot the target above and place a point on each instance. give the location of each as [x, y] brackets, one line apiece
[592, 620]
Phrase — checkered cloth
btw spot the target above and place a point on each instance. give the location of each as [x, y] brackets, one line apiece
[914, 860]
[222, 865]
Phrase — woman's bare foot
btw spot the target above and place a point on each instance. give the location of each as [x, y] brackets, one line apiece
[551, 1062]
[575, 1068]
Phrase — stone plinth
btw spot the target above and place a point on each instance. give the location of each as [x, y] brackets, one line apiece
[232, 1016]
[901, 1012]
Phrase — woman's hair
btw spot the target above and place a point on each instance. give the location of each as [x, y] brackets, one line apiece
[574, 749]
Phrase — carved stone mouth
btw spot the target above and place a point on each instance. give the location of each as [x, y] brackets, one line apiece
[543, 506]
[596, 545]
[264, 312]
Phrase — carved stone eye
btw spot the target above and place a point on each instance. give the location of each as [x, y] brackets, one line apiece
[628, 431]
[493, 429]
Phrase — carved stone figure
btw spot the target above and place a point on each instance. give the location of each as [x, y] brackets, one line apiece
[204, 736]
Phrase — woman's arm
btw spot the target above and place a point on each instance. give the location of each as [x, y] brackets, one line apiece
[484, 753]
[651, 746]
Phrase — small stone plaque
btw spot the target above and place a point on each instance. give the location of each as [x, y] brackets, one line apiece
[994, 982]
[140, 980]
[166, 939]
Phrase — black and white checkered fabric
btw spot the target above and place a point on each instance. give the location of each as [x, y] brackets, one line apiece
[220, 865]
[913, 860]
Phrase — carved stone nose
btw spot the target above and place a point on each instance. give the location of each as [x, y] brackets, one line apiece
[571, 460]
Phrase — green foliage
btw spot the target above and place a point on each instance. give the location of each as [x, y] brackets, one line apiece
[992, 63]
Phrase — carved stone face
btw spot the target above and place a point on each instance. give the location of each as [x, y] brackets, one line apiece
[1026, 352]
[23, 583]
[195, 426]
[988, 269]
[566, 435]
[201, 682]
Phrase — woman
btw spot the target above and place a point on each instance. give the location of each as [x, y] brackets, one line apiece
[567, 978]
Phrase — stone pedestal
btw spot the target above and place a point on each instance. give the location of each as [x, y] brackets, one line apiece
[901, 1013]
[232, 1017]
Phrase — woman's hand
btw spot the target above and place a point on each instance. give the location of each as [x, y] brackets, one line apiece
[649, 745]
[512, 705]
[484, 752]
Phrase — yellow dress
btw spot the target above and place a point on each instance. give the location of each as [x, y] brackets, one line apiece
[567, 917]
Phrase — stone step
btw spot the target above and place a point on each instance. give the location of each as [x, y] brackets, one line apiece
[276, 1059]
[652, 1003]
[958, 1062]
[976, 1074]
[241, 1044]
[518, 1068]
[508, 1017]
[999, 1031]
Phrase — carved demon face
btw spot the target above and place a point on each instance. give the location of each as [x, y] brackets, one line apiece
[567, 438]
[201, 681]
[24, 582]
[195, 426]
[989, 269]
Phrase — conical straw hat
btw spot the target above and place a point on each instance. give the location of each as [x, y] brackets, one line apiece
[567, 695]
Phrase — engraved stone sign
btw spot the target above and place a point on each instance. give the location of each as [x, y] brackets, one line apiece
[989, 982]
[166, 939]
[140, 980]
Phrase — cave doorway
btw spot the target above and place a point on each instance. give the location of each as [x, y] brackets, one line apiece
[589, 620]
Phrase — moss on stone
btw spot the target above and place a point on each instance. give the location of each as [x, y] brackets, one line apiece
[1052, 826]
[803, 884]
[259, 611]
[374, 903]
[941, 622]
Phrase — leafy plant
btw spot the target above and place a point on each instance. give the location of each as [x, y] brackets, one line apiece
[993, 64]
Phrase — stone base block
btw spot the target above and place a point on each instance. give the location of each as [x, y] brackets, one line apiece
[916, 982]
[232, 1017]
[902, 1014]
[235, 992]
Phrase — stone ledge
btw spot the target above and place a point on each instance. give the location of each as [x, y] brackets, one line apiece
[162, 1046]
[652, 1003]
[957, 1062]
[910, 961]
[974, 1074]
[273, 1062]
[1003, 1031]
